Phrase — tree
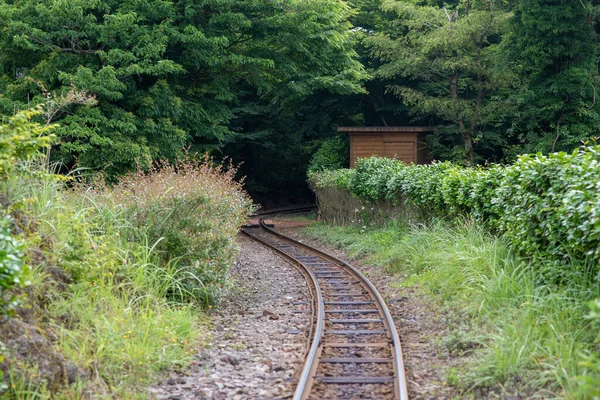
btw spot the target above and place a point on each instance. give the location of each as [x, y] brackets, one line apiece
[448, 57]
[554, 46]
[169, 74]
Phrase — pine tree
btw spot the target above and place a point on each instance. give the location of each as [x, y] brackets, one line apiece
[554, 46]
[448, 57]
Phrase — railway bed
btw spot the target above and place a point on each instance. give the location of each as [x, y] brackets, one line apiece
[354, 349]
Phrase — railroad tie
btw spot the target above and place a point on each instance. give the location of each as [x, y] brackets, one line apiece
[355, 331]
[354, 321]
[357, 345]
[349, 380]
[350, 360]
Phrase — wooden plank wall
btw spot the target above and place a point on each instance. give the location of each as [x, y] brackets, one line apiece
[364, 146]
[402, 146]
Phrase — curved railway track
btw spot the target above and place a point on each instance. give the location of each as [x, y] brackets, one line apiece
[354, 349]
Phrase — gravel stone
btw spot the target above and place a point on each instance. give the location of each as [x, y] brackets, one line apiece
[251, 354]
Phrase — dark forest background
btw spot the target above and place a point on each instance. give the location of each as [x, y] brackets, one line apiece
[265, 83]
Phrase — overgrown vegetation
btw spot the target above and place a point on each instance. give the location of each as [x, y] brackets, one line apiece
[515, 247]
[266, 82]
[119, 274]
[545, 206]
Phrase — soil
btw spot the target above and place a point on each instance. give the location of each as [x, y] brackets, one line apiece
[420, 329]
[258, 341]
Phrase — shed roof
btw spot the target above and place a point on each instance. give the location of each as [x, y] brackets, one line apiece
[385, 129]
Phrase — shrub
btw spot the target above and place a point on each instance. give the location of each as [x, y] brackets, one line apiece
[548, 207]
[12, 269]
[331, 155]
[21, 140]
[190, 211]
[371, 177]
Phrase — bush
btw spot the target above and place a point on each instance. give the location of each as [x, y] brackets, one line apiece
[332, 154]
[12, 269]
[190, 211]
[21, 140]
[548, 207]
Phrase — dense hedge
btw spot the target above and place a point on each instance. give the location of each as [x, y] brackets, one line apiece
[548, 207]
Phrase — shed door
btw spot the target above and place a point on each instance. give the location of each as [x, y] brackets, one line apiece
[403, 151]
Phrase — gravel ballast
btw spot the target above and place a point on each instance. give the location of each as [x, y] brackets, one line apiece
[256, 351]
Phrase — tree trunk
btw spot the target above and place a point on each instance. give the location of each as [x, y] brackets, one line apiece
[467, 135]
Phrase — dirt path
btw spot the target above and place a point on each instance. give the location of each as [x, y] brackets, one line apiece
[252, 355]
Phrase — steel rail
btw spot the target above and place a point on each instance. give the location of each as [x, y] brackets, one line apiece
[284, 210]
[306, 378]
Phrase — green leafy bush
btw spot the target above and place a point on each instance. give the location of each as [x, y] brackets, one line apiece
[21, 140]
[331, 155]
[548, 207]
[12, 269]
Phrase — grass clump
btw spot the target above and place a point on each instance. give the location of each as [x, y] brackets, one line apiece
[522, 334]
[119, 276]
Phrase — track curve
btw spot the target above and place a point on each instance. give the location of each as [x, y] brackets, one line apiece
[363, 359]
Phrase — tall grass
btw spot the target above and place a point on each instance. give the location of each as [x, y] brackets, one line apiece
[525, 335]
[141, 258]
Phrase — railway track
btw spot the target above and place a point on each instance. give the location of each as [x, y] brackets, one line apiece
[354, 349]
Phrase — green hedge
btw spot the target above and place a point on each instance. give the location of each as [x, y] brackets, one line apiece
[548, 207]
[331, 155]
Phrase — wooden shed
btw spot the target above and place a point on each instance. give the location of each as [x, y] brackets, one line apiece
[405, 143]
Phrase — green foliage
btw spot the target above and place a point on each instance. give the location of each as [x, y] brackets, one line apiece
[13, 271]
[332, 154]
[449, 57]
[123, 269]
[547, 207]
[113, 316]
[170, 74]
[118, 272]
[553, 46]
[21, 140]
